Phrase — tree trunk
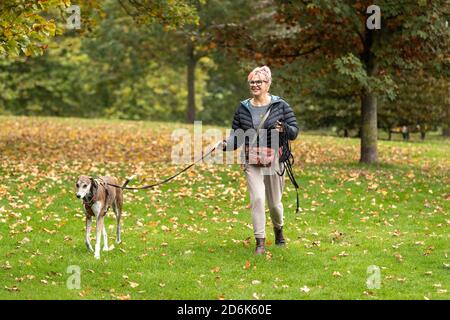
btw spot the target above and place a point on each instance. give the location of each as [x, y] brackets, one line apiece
[422, 135]
[191, 64]
[389, 134]
[369, 126]
[369, 130]
[446, 130]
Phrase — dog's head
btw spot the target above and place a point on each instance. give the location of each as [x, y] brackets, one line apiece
[84, 186]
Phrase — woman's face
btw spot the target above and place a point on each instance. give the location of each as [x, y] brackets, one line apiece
[258, 85]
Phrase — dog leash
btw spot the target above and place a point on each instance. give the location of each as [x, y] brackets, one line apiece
[287, 160]
[168, 179]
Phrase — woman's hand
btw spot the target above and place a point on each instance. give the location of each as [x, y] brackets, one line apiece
[221, 145]
[279, 126]
[218, 146]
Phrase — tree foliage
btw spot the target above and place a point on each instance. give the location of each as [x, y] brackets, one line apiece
[169, 60]
[24, 28]
[333, 37]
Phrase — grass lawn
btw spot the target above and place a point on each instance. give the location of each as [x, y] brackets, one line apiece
[192, 238]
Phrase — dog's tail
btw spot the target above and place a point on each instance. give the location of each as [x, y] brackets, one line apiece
[128, 181]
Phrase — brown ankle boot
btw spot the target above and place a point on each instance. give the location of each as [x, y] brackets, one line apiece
[260, 245]
[279, 238]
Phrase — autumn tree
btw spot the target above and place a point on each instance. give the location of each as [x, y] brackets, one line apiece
[23, 27]
[177, 15]
[345, 36]
[195, 38]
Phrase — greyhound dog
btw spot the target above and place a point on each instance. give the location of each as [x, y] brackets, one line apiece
[98, 196]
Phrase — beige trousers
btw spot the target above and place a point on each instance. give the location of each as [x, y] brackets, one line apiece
[264, 183]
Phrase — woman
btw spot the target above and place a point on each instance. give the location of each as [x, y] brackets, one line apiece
[260, 184]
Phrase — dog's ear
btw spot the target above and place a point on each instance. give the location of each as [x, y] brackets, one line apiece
[93, 183]
[77, 181]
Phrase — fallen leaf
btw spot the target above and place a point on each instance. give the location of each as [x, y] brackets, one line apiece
[305, 289]
[24, 240]
[337, 274]
[398, 256]
[215, 270]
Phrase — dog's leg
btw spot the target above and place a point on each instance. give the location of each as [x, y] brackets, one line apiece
[99, 230]
[105, 239]
[87, 240]
[118, 211]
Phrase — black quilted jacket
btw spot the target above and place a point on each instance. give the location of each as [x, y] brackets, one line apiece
[280, 110]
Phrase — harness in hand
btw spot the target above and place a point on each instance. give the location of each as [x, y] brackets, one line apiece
[286, 160]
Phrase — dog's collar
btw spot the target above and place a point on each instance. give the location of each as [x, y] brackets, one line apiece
[94, 190]
[90, 202]
[92, 193]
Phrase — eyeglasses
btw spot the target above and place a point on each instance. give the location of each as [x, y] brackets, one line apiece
[257, 83]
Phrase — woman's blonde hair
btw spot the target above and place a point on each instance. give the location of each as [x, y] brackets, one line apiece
[263, 71]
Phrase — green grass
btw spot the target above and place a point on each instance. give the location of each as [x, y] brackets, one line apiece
[192, 238]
